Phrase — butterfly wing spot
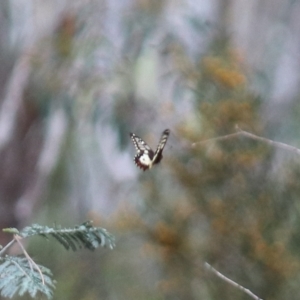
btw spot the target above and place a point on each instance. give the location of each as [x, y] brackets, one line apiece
[146, 157]
[143, 160]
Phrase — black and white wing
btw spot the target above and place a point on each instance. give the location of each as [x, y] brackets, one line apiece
[161, 145]
[146, 157]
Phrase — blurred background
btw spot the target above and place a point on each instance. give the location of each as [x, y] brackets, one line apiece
[77, 76]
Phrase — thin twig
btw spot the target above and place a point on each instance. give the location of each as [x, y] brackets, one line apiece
[17, 238]
[220, 138]
[231, 282]
[30, 260]
[21, 269]
[252, 136]
[7, 246]
[270, 142]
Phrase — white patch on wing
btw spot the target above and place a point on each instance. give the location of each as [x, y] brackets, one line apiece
[145, 160]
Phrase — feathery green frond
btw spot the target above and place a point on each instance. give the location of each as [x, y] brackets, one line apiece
[82, 236]
[19, 276]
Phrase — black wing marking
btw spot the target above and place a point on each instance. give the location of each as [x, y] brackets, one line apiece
[146, 157]
[139, 144]
[161, 145]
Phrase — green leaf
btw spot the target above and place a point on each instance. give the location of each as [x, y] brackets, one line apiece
[82, 236]
[19, 276]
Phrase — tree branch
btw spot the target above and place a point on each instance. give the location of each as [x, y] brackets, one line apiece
[244, 133]
[231, 282]
[31, 262]
[4, 249]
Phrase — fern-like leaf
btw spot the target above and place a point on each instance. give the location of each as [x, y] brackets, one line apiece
[82, 236]
[19, 276]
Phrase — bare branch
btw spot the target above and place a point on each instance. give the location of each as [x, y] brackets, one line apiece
[231, 282]
[30, 260]
[4, 249]
[220, 138]
[20, 268]
[270, 142]
[252, 136]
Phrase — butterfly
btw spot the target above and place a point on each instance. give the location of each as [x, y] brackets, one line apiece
[146, 157]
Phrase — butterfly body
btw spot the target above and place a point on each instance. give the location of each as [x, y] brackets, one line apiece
[146, 157]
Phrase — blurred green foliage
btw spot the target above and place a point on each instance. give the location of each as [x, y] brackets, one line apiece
[232, 203]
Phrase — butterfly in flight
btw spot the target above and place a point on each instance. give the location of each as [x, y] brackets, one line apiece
[146, 157]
